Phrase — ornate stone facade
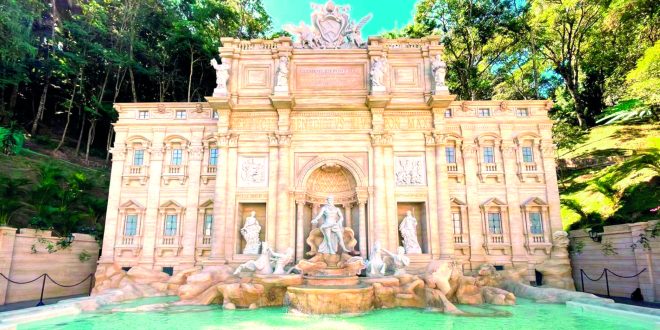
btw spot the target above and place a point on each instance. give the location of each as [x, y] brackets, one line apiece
[298, 123]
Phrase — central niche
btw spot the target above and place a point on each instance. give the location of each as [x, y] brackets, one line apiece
[333, 180]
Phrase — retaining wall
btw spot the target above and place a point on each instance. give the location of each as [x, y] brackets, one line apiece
[621, 259]
[20, 262]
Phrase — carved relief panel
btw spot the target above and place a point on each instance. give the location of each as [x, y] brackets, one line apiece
[253, 171]
[410, 170]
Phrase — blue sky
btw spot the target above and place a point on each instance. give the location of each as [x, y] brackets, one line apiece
[387, 14]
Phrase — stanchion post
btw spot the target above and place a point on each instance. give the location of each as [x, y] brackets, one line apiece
[43, 286]
[607, 283]
[582, 278]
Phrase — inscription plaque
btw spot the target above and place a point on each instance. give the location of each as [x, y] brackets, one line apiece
[332, 77]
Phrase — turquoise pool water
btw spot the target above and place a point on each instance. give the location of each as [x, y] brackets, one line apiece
[524, 316]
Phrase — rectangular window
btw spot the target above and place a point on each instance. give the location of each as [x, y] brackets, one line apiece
[484, 112]
[489, 155]
[180, 114]
[208, 223]
[213, 156]
[448, 113]
[528, 155]
[143, 114]
[522, 113]
[458, 226]
[130, 226]
[536, 223]
[168, 270]
[170, 225]
[177, 156]
[495, 223]
[215, 114]
[138, 157]
[450, 152]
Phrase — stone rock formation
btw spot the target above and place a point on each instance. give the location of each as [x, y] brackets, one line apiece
[557, 270]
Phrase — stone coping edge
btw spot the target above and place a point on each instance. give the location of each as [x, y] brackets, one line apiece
[628, 311]
[11, 319]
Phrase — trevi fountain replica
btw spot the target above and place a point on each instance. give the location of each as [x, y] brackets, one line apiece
[334, 175]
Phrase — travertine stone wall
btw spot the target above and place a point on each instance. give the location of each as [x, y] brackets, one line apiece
[625, 261]
[21, 263]
[287, 150]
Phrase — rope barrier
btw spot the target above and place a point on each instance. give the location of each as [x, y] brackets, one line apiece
[621, 276]
[607, 281]
[596, 280]
[69, 286]
[43, 284]
[16, 282]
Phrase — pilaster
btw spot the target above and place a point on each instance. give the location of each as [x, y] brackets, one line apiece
[433, 183]
[285, 222]
[152, 217]
[445, 228]
[516, 229]
[231, 231]
[189, 225]
[114, 196]
[220, 203]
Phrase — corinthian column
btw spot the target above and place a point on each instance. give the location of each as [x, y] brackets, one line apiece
[220, 203]
[285, 223]
[380, 199]
[445, 229]
[300, 240]
[118, 158]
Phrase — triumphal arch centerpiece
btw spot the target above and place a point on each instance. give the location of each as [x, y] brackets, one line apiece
[369, 122]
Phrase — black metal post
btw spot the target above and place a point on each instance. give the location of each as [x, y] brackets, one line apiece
[43, 286]
[607, 283]
[582, 278]
[91, 283]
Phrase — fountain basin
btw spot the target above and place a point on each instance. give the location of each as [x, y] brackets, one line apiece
[332, 280]
[313, 299]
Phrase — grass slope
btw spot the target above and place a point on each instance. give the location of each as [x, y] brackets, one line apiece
[27, 164]
[619, 193]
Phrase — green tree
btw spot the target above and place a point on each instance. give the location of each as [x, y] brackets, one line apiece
[12, 196]
[476, 36]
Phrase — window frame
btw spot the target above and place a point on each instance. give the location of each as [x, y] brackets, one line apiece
[207, 226]
[493, 230]
[170, 225]
[176, 157]
[141, 158]
[527, 151]
[184, 116]
[490, 155]
[134, 224]
[213, 157]
[535, 229]
[522, 112]
[484, 112]
[456, 220]
[141, 113]
[450, 154]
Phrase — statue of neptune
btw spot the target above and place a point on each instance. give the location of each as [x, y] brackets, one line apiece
[332, 228]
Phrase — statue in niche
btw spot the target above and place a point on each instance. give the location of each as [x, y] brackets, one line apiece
[377, 73]
[250, 232]
[281, 260]
[282, 82]
[397, 262]
[439, 69]
[221, 78]
[332, 229]
[408, 229]
[261, 266]
[375, 265]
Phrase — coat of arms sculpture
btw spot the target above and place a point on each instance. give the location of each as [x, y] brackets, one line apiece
[331, 28]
